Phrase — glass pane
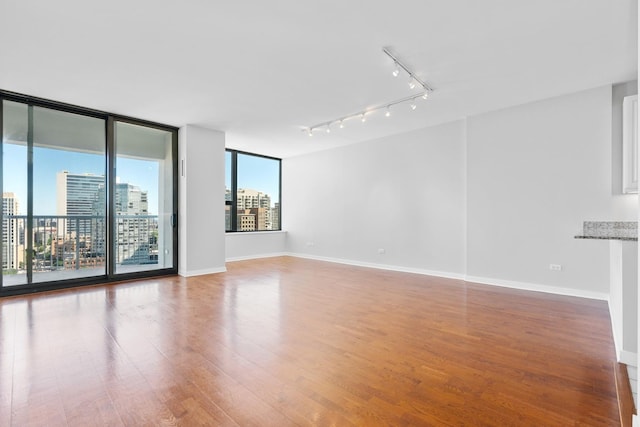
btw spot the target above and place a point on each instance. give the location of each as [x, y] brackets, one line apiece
[14, 193]
[66, 232]
[258, 196]
[69, 197]
[143, 199]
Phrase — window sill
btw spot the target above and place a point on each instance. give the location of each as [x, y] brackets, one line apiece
[243, 233]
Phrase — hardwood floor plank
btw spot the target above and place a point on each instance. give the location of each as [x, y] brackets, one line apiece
[286, 341]
[626, 405]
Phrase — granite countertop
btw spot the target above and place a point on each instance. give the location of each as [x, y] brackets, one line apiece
[610, 230]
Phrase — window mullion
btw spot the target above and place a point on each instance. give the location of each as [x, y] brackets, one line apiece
[110, 197]
[234, 191]
[29, 225]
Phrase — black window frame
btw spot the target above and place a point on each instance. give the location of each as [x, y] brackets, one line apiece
[110, 120]
[234, 190]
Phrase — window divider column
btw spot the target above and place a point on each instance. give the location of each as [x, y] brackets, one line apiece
[110, 199]
[2, 215]
[234, 190]
[29, 225]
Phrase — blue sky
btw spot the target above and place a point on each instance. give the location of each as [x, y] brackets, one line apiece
[256, 173]
[48, 162]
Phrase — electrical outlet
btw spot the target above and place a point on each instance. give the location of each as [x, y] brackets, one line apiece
[555, 267]
[381, 251]
[310, 244]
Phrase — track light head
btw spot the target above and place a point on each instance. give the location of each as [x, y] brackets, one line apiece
[419, 89]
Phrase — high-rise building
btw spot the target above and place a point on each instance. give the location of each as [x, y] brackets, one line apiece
[253, 219]
[247, 199]
[77, 196]
[84, 196]
[133, 235]
[275, 217]
[254, 211]
[246, 220]
[11, 233]
[253, 202]
[130, 200]
[134, 241]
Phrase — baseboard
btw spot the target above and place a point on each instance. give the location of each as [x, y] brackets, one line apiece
[257, 256]
[617, 343]
[538, 288]
[202, 272]
[388, 267]
[444, 274]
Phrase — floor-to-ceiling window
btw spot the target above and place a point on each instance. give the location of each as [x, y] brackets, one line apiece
[86, 196]
[144, 210]
[252, 198]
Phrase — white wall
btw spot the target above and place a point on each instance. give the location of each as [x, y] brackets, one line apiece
[203, 244]
[201, 201]
[247, 245]
[495, 199]
[535, 172]
[404, 194]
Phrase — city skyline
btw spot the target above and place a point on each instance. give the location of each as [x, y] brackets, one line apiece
[51, 162]
[255, 173]
[74, 236]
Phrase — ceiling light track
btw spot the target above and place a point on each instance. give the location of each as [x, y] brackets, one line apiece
[412, 76]
[362, 115]
[413, 82]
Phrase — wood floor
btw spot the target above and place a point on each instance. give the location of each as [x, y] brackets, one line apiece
[286, 341]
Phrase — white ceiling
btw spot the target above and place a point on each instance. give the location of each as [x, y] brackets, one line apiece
[263, 70]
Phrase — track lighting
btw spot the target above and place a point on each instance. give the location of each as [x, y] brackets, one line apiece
[414, 82]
